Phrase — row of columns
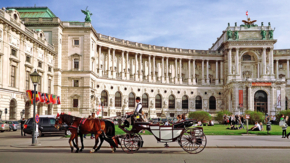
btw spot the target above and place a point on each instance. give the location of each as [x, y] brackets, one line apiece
[138, 76]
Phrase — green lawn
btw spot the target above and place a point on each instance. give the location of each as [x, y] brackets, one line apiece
[220, 130]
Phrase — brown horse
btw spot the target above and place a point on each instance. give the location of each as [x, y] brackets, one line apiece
[103, 128]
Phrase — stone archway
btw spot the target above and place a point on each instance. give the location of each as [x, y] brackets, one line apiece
[261, 101]
[12, 109]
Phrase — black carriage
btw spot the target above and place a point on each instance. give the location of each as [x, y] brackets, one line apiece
[191, 139]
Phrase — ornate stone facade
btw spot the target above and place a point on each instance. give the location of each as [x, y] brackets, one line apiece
[91, 67]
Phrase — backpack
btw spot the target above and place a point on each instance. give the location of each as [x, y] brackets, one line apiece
[282, 123]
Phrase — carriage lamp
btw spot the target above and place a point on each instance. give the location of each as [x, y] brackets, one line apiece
[22, 113]
[35, 78]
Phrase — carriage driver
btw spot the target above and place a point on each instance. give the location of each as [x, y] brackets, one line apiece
[138, 112]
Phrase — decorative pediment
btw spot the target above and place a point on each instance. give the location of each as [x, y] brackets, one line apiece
[76, 55]
[75, 96]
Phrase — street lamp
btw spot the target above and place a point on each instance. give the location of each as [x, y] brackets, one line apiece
[22, 113]
[35, 78]
[102, 100]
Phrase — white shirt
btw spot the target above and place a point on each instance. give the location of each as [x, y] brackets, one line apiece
[139, 106]
[259, 127]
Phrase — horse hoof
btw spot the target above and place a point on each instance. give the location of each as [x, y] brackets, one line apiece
[81, 150]
[92, 151]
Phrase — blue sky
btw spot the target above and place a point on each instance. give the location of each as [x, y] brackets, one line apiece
[191, 24]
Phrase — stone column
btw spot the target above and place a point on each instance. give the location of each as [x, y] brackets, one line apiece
[222, 75]
[140, 69]
[149, 68]
[122, 66]
[250, 98]
[216, 73]
[175, 75]
[287, 72]
[277, 69]
[272, 100]
[258, 69]
[207, 77]
[108, 63]
[180, 71]
[202, 72]
[127, 63]
[272, 61]
[153, 73]
[162, 70]
[99, 61]
[167, 69]
[193, 72]
[264, 61]
[230, 61]
[189, 74]
[113, 65]
[237, 61]
[136, 73]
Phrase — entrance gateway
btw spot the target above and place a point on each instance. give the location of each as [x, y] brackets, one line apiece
[261, 101]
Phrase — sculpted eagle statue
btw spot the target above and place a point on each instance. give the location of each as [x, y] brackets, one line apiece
[249, 22]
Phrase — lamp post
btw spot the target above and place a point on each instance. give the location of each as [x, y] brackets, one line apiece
[22, 113]
[35, 78]
[102, 100]
[0, 114]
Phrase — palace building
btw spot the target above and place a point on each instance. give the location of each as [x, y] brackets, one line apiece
[86, 69]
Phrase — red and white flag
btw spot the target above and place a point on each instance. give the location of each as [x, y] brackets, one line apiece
[247, 13]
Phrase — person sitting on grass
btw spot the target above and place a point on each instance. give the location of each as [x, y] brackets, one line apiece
[257, 127]
[232, 127]
[210, 123]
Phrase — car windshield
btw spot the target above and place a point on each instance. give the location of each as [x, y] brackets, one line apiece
[15, 122]
[29, 121]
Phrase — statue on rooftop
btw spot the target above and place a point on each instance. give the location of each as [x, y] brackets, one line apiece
[88, 15]
[229, 33]
[236, 35]
[263, 33]
[271, 32]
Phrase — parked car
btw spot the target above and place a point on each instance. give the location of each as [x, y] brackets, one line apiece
[45, 126]
[13, 125]
[4, 127]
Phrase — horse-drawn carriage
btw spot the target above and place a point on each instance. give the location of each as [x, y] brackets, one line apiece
[192, 140]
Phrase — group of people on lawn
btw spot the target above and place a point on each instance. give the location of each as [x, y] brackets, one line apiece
[234, 121]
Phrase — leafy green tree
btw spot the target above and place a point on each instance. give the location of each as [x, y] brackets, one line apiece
[200, 116]
[255, 116]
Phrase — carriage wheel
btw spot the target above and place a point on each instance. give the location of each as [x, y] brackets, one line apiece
[131, 142]
[192, 142]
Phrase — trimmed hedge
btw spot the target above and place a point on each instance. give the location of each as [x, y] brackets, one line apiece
[200, 116]
[220, 115]
[255, 116]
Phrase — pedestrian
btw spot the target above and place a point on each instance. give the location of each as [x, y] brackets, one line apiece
[284, 128]
[22, 127]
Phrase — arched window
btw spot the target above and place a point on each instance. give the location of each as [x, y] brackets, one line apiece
[118, 99]
[158, 101]
[12, 111]
[131, 100]
[212, 103]
[184, 102]
[171, 102]
[104, 98]
[144, 100]
[247, 57]
[198, 102]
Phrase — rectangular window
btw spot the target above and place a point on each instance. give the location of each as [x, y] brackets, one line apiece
[39, 64]
[13, 52]
[13, 75]
[39, 86]
[76, 64]
[76, 83]
[27, 59]
[49, 86]
[75, 103]
[49, 69]
[27, 80]
[76, 42]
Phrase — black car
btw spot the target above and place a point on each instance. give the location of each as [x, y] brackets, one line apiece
[45, 126]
